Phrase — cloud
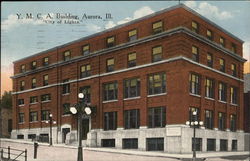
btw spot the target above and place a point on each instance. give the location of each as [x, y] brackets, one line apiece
[209, 10]
[143, 11]
[6, 82]
[94, 28]
[246, 50]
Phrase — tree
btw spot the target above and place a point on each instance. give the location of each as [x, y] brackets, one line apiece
[6, 100]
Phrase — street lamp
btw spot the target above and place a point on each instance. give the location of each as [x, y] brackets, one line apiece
[50, 121]
[195, 123]
[80, 109]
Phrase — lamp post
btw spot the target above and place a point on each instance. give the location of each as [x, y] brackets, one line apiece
[80, 108]
[50, 121]
[195, 123]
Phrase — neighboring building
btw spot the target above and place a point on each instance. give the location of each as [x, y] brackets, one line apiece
[5, 122]
[143, 77]
[247, 102]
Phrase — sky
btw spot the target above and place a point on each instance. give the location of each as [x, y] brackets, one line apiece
[22, 36]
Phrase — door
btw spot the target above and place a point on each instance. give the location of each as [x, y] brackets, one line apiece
[65, 131]
[85, 128]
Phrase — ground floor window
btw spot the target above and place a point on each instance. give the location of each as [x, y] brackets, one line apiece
[44, 138]
[155, 144]
[20, 136]
[131, 143]
[108, 142]
[32, 136]
[211, 145]
[223, 145]
[198, 144]
[234, 145]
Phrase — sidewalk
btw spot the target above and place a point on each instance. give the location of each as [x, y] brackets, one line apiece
[68, 153]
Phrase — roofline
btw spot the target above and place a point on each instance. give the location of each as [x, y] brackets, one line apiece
[129, 23]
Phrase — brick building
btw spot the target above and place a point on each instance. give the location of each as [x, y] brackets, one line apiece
[247, 102]
[143, 77]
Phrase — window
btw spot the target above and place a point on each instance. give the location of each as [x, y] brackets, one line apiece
[132, 119]
[211, 144]
[233, 95]
[20, 102]
[223, 145]
[155, 144]
[194, 84]
[222, 65]
[66, 86]
[132, 88]
[110, 120]
[197, 142]
[157, 83]
[33, 83]
[66, 109]
[195, 27]
[33, 99]
[110, 41]
[222, 92]
[21, 118]
[157, 54]
[209, 34]
[110, 91]
[20, 136]
[233, 48]
[45, 61]
[45, 80]
[110, 65]
[233, 69]
[130, 143]
[222, 41]
[32, 136]
[157, 27]
[132, 59]
[232, 122]
[66, 55]
[22, 69]
[209, 88]
[191, 116]
[210, 60]
[222, 121]
[33, 116]
[86, 91]
[45, 97]
[85, 50]
[234, 145]
[45, 115]
[108, 142]
[209, 119]
[132, 35]
[22, 85]
[33, 65]
[195, 54]
[85, 71]
[156, 117]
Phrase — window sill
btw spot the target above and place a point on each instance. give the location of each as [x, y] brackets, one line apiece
[131, 98]
[65, 94]
[33, 103]
[66, 115]
[212, 99]
[154, 95]
[46, 101]
[222, 101]
[196, 95]
[20, 123]
[33, 121]
[109, 101]
[22, 105]
[234, 104]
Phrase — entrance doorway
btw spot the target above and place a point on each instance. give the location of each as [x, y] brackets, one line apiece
[85, 128]
[65, 131]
